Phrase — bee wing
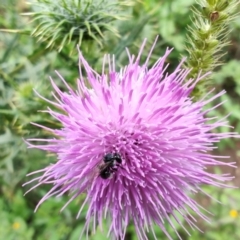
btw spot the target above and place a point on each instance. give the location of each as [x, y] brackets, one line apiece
[103, 166]
[97, 169]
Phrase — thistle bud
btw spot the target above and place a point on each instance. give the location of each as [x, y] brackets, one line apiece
[61, 22]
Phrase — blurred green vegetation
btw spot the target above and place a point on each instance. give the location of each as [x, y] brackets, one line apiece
[25, 64]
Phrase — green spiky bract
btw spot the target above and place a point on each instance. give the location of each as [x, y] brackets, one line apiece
[60, 22]
[207, 38]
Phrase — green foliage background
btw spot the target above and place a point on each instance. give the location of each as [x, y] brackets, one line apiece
[26, 63]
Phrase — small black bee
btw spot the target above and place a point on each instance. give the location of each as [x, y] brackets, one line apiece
[110, 165]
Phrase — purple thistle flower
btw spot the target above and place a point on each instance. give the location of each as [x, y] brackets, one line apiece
[135, 143]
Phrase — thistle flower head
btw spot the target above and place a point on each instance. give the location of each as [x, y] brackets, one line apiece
[60, 22]
[135, 143]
